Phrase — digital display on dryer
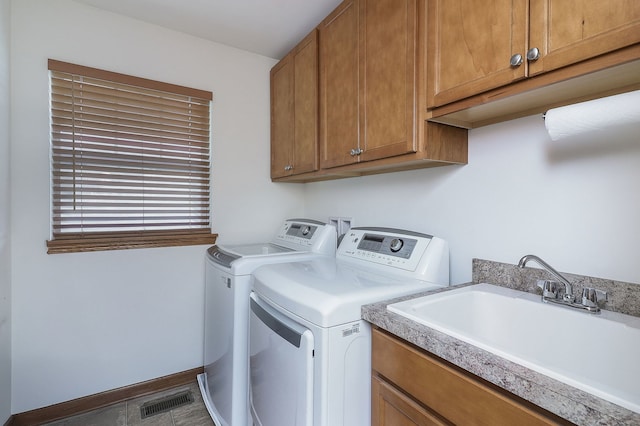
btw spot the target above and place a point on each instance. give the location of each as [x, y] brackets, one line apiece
[391, 246]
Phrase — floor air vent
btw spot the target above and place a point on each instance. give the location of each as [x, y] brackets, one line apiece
[167, 403]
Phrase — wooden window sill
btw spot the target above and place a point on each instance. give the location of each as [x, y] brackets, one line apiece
[127, 240]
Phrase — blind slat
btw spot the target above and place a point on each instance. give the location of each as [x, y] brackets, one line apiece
[129, 225]
[68, 181]
[194, 179]
[127, 198]
[148, 218]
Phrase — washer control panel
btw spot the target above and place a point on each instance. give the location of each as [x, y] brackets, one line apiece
[307, 234]
[385, 246]
[301, 230]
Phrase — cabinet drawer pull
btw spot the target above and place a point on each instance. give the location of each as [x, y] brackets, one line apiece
[533, 54]
[516, 60]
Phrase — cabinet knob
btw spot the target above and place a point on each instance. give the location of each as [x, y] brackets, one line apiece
[356, 151]
[516, 60]
[288, 167]
[533, 54]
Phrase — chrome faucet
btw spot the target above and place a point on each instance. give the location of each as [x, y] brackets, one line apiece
[568, 291]
[590, 296]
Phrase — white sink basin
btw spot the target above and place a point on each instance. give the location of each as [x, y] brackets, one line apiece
[599, 354]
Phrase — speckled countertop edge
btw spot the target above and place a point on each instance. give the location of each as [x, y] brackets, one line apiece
[559, 398]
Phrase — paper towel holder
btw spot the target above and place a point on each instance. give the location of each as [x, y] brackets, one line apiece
[596, 122]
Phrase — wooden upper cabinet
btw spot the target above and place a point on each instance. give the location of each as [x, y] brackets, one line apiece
[369, 98]
[294, 110]
[339, 82]
[282, 127]
[470, 46]
[368, 74]
[388, 89]
[567, 32]
[305, 148]
[473, 46]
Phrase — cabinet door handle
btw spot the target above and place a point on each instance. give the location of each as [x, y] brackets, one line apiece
[516, 60]
[356, 151]
[288, 168]
[533, 54]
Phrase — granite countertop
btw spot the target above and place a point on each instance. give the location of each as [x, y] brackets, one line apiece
[570, 403]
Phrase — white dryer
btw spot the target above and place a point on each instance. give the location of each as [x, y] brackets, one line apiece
[224, 383]
[310, 352]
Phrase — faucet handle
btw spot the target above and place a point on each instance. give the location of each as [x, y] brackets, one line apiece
[549, 288]
[592, 296]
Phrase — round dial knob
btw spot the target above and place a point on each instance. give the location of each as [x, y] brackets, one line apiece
[396, 244]
[306, 229]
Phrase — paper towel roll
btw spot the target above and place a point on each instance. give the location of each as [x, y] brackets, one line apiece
[596, 121]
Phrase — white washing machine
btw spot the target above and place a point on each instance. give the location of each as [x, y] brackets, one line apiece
[310, 352]
[224, 383]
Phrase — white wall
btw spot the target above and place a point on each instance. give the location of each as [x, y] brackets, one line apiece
[578, 208]
[5, 252]
[88, 322]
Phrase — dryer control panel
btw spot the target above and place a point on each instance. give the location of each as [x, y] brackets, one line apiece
[419, 255]
[396, 246]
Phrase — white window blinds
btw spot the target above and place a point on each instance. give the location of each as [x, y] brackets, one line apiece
[130, 161]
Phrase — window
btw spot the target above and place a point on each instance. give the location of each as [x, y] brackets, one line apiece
[129, 162]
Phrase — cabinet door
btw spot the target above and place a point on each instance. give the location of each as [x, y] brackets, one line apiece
[449, 391]
[305, 141]
[569, 31]
[339, 82]
[392, 408]
[282, 117]
[388, 34]
[470, 46]
[294, 111]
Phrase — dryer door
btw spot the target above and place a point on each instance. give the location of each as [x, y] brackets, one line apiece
[280, 368]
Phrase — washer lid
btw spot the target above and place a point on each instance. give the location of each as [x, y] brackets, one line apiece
[244, 259]
[232, 257]
[260, 249]
[297, 239]
[329, 292]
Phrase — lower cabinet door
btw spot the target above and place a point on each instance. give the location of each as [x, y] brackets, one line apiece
[392, 408]
[454, 394]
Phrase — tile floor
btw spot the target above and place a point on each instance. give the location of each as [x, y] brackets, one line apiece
[127, 413]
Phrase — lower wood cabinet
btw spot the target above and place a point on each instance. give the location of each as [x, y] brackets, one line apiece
[391, 407]
[412, 387]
